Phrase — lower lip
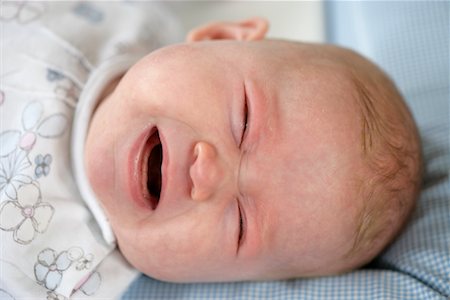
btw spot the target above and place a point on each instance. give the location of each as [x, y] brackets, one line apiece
[135, 164]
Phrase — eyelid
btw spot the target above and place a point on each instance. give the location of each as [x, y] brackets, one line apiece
[242, 225]
[245, 121]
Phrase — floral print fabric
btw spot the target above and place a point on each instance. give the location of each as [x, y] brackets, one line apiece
[51, 246]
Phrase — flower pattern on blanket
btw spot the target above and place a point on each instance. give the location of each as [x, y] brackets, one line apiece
[51, 295]
[26, 216]
[42, 165]
[33, 125]
[50, 267]
[22, 11]
[41, 84]
[90, 284]
[13, 173]
[22, 210]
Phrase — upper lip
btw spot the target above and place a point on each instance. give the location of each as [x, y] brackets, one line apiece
[174, 167]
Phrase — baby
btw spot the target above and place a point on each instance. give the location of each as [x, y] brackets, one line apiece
[231, 157]
[228, 157]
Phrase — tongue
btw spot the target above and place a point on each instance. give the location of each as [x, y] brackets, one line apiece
[154, 171]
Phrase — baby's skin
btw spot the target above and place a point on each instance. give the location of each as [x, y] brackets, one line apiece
[232, 157]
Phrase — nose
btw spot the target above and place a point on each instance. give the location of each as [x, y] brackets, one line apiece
[206, 171]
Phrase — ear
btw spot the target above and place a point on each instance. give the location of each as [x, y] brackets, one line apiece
[247, 30]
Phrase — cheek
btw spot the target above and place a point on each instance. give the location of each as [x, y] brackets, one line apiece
[172, 251]
[99, 144]
[198, 245]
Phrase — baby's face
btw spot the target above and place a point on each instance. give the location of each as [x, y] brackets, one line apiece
[260, 145]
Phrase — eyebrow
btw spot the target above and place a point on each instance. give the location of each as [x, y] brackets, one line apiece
[260, 232]
[262, 219]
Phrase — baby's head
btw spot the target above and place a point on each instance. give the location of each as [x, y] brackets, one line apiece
[253, 159]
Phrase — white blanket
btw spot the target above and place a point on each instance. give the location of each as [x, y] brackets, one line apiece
[55, 242]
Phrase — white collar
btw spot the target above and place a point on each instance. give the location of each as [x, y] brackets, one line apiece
[87, 103]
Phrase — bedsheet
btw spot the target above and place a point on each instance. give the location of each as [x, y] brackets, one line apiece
[410, 40]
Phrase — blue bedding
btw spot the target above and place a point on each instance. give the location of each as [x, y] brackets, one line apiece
[410, 41]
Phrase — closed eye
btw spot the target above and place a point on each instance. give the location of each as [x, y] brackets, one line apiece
[241, 225]
[244, 120]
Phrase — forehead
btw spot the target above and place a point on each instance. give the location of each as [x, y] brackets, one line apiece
[313, 200]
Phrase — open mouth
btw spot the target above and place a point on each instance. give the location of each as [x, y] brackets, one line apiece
[152, 169]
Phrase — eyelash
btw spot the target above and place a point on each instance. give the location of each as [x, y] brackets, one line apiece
[245, 121]
[241, 225]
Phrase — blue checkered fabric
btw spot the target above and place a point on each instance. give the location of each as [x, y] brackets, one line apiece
[410, 41]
